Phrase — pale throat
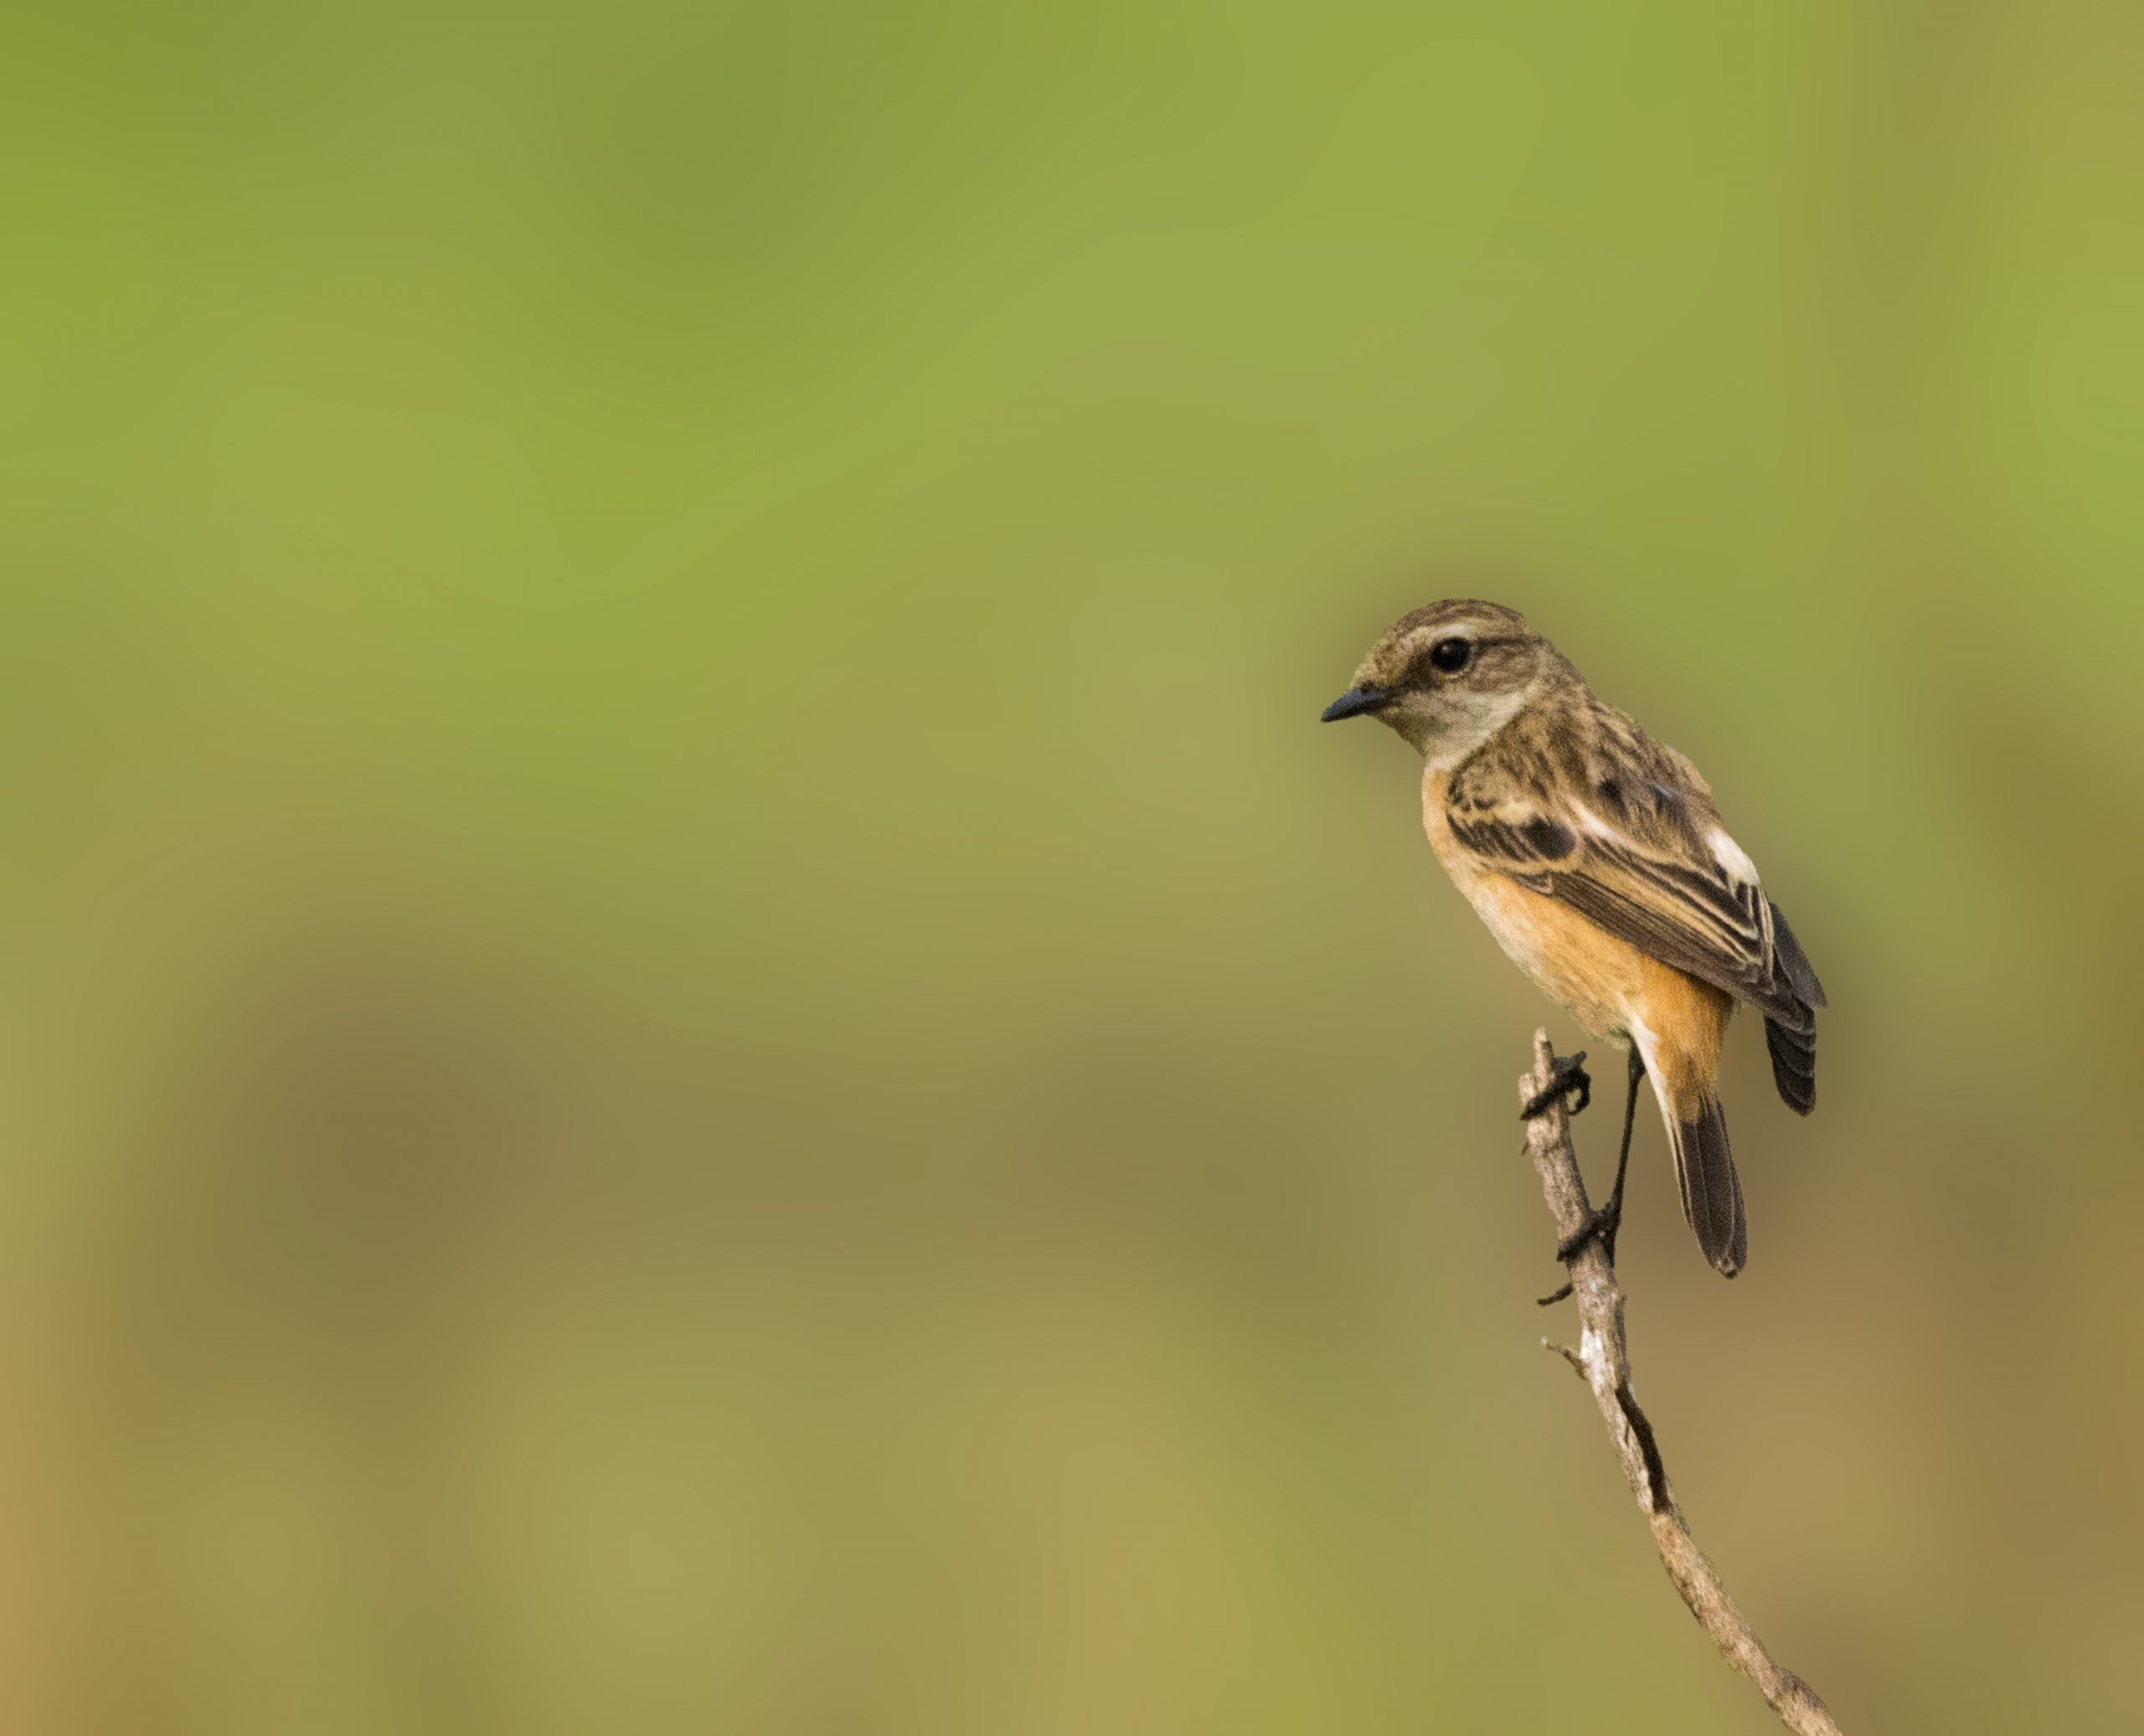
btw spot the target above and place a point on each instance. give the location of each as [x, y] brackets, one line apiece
[1450, 745]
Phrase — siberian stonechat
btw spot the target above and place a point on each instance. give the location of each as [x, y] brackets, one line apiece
[1596, 857]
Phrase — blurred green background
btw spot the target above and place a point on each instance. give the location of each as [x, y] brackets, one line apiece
[694, 1033]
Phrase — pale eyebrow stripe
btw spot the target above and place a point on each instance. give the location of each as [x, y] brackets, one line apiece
[1472, 634]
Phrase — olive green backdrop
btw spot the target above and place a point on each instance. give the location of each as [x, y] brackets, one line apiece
[694, 1033]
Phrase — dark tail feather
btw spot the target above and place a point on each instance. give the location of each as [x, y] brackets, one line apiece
[1712, 1193]
[1794, 1063]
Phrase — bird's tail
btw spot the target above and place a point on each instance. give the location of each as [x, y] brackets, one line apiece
[1712, 1193]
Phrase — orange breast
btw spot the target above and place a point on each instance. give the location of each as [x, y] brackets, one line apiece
[1607, 983]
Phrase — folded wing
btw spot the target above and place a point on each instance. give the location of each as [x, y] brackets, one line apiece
[1623, 830]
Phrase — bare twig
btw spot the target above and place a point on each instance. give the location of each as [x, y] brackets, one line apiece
[1603, 1359]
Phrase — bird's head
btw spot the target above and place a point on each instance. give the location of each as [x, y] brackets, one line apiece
[1448, 677]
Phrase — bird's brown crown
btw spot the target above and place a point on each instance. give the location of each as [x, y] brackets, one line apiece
[1400, 648]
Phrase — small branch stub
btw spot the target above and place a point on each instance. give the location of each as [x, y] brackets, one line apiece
[1602, 1360]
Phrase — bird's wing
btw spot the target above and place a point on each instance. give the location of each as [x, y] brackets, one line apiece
[1631, 841]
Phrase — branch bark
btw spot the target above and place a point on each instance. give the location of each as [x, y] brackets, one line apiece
[1602, 1359]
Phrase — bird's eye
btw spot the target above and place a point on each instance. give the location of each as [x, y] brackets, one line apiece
[1449, 656]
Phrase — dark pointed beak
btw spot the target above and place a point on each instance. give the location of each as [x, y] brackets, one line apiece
[1356, 702]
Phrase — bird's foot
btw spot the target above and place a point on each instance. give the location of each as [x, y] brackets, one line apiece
[1600, 1227]
[1568, 1074]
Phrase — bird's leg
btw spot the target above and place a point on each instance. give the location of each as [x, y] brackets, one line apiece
[1568, 1075]
[1602, 1225]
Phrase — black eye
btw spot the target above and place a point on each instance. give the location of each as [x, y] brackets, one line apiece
[1449, 656]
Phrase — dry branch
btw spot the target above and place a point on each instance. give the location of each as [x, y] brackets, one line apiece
[1602, 1359]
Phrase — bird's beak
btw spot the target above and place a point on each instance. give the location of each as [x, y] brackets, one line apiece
[1356, 702]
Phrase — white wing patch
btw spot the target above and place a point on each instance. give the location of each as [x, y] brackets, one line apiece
[1732, 858]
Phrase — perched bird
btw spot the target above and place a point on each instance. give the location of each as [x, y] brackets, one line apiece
[1596, 857]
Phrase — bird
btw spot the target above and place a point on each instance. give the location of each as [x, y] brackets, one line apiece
[1596, 857]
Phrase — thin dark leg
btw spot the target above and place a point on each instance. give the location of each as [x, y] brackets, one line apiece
[1611, 1214]
[1602, 1225]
